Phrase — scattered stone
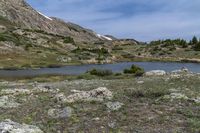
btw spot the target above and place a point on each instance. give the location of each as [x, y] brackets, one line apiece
[196, 100]
[61, 98]
[15, 91]
[114, 106]
[37, 89]
[176, 96]
[140, 82]
[112, 124]
[60, 113]
[98, 95]
[9, 126]
[96, 119]
[64, 59]
[76, 91]
[8, 102]
[156, 73]
[45, 89]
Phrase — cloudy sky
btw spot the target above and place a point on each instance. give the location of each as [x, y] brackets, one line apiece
[143, 20]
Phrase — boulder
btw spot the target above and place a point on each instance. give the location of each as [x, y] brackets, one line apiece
[9, 126]
[180, 71]
[98, 94]
[60, 113]
[156, 73]
[114, 106]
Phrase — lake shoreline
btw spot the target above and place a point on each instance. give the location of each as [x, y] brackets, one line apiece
[197, 61]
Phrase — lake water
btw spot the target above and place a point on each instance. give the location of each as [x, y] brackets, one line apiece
[118, 67]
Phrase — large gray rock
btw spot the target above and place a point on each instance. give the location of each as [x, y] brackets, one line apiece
[9, 126]
[182, 70]
[155, 73]
[98, 94]
[60, 113]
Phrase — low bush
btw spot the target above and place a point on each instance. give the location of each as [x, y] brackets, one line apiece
[99, 72]
[69, 40]
[137, 71]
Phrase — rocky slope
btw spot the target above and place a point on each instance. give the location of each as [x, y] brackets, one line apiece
[22, 14]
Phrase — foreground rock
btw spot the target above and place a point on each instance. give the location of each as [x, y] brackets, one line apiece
[175, 96]
[9, 126]
[98, 95]
[114, 106]
[182, 70]
[155, 73]
[38, 89]
[60, 113]
[8, 102]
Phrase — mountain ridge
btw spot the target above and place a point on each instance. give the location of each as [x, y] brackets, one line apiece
[22, 14]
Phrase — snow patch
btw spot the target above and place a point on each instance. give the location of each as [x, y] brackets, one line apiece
[45, 16]
[104, 37]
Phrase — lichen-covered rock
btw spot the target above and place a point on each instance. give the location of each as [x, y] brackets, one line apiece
[98, 94]
[38, 89]
[182, 70]
[15, 91]
[60, 113]
[114, 106]
[196, 100]
[176, 96]
[8, 102]
[9, 126]
[61, 98]
[155, 73]
[45, 89]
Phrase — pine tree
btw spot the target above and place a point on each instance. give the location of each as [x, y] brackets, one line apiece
[197, 46]
[194, 40]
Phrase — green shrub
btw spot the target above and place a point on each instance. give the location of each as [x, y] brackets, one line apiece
[2, 39]
[69, 40]
[137, 71]
[101, 73]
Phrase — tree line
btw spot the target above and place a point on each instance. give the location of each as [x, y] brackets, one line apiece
[194, 43]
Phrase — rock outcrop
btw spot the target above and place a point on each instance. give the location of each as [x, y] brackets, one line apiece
[98, 95]
[155, 73]
[9, 126]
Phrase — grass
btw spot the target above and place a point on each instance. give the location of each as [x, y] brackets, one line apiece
[141, 111]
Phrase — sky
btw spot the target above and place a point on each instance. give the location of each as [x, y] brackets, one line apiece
[144, 20]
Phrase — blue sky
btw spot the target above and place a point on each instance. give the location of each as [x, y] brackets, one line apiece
[144, 20]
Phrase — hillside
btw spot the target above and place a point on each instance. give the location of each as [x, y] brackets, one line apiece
[30, 39]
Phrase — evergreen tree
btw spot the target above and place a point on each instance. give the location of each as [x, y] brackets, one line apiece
[194, 40]
[197, 46]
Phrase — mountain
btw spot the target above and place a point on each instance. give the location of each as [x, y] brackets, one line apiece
[28, 38]
[24, 16]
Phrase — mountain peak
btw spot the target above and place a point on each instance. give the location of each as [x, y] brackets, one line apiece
[24, 16]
